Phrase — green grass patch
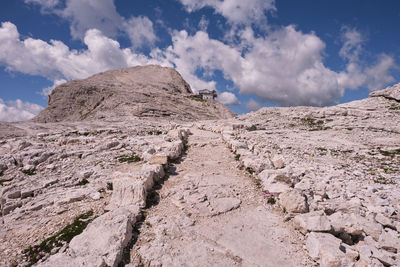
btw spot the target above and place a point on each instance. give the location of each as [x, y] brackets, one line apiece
[382, 180]
[394, 107]
[83, 182]
[237, 157]
[389, 153]
[196, 98]
[250, 170]
[156, 132]
[110, 186]
[29, 172]
[314, 125]
[34, 253]
[129, 158]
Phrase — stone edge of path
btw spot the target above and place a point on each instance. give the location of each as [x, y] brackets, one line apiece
[103, 241]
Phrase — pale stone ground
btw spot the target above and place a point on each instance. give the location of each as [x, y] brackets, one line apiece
[211, 213]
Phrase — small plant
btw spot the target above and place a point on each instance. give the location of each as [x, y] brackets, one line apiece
[80, 156]
[390, 153]
[382, 180]
[196, 98]
[148, 224]
[129, 159]
[250, 170]
[83, 182]
[34, 253]
[349, 129]
[29, 172]
[237, 157]
[156, 132]
[394, 107]
[270, 197]
[322, 150]
[109, 186]
[314, 125]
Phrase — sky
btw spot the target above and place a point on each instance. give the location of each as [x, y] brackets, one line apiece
[255, 53]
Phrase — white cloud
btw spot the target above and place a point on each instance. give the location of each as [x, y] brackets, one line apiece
[358, 73]
[46, 91]
[192, 53]
[252, 105]
[91, 14]
[228, 98]
[203, 23]
[285, 68]
[84, 15]
[18, 110]
[235, 11]
[140, 31]
[56, 61]
[45, 4]
[352, 44]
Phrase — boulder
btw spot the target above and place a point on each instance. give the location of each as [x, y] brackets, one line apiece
[325, 249]
[278, 161]
[312, 222]
[389, 240]
[101, 244]
[293, 201]
[159, 159]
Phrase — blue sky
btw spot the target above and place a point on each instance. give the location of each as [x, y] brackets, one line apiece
[254, 53]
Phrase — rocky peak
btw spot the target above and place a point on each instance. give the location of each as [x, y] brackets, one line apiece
[142, 91]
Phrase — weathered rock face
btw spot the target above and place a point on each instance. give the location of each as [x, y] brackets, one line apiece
[149, 91]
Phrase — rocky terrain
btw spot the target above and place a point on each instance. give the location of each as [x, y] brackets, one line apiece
[297, 186]
[149, 91]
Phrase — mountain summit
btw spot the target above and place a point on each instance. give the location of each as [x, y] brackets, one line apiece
[143, 91]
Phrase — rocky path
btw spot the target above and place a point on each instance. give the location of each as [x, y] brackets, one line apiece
[210, 213]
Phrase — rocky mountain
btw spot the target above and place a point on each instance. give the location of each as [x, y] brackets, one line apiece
[295, 186]
[149, 91]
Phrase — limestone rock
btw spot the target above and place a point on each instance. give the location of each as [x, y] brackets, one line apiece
[312, 222]
[390, 93]
[222, 205]
[159, 159]
[293, 201]
[278, 161]
[325, 248]
[390, 240]
[102, 241]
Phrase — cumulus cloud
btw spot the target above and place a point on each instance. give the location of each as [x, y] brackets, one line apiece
[91, 14]
[235, 11]
[18, 110]
[84, 15]
[253, 105]
[55, 61]
[45, 4]
[46, 91]
[285, 68]
[228, 98]
[352, 44]
[357, 72]
[140, 31]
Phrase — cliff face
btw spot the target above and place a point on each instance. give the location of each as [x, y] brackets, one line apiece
[149, 91]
